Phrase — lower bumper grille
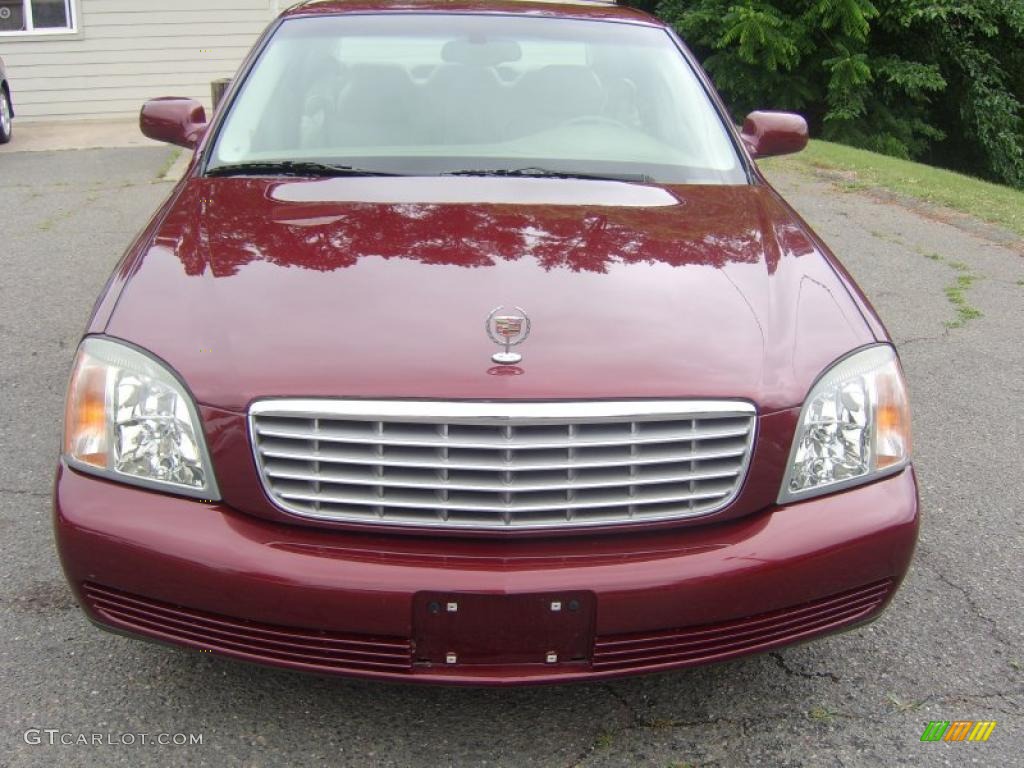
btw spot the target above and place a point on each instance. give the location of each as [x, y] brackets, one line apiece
[716, 642]
[321, 651]
[311, 649]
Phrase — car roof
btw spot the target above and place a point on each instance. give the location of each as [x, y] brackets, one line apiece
[585, 9]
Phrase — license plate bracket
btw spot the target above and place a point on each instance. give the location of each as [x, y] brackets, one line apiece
[486, 629]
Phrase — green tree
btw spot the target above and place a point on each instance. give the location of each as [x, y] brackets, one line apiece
[932, 79]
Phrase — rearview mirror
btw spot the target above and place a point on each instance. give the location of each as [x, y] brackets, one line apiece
[173, 120]
[767, 134]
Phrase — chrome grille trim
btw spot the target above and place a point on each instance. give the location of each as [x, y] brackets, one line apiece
[502, 465]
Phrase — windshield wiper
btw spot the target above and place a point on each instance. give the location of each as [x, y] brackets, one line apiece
[291, 168]
[547, 173]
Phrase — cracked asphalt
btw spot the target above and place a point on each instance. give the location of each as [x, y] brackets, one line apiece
[949, 648]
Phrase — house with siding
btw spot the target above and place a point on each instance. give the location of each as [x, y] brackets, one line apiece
[101, 59]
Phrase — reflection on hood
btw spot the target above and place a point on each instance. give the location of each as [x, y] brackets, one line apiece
[219, 224]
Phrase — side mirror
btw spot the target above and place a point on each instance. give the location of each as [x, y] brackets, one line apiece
[173, 120]
[767, 134]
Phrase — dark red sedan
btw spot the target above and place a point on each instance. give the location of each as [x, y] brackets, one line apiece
[474, 348]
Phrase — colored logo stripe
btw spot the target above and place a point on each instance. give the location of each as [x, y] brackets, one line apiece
[982, 731]
[935, 730]
[958, 730]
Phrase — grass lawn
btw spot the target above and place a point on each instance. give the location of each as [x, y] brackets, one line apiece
[982, 199]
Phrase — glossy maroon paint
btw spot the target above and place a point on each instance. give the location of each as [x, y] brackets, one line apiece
[173, 120]
[378, 288]
[300, 290]
[609, 11]
[210, 557]
[767, 134]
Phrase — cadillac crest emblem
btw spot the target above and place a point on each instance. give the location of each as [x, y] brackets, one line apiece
[508, 330]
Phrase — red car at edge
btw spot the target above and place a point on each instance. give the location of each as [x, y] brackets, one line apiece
[473, 347]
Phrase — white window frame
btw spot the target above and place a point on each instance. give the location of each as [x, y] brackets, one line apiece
[31, 31]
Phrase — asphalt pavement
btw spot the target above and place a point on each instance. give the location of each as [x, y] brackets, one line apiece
[949, 648]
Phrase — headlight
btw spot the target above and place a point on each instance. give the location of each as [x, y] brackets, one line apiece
[128, 418]
[855, 426]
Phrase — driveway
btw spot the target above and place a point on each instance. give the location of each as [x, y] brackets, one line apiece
[949, 648]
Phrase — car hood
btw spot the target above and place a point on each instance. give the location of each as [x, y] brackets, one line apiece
[380, 288]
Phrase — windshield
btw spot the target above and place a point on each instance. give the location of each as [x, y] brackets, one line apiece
[428, 94]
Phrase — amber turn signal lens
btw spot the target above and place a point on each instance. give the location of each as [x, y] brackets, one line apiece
[892, 421]
[85, 417]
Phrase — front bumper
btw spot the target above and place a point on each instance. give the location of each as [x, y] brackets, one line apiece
[204, 576]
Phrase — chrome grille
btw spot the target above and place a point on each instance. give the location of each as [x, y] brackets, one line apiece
[501, 465]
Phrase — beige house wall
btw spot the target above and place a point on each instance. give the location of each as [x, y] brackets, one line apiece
[124, 52]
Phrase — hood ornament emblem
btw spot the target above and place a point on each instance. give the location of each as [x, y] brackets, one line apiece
[508, 330]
